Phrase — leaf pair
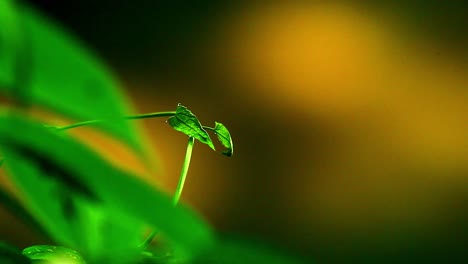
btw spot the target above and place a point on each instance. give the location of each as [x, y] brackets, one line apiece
[186, 122]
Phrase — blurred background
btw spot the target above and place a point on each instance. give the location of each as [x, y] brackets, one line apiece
[349, 118]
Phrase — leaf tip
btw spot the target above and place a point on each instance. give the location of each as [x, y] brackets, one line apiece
[212, 146]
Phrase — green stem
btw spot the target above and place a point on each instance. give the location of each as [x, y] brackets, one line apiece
[151, 115]
[142, 116]
[183, 172]
[209, 128]
[85, 123]
[180, 186]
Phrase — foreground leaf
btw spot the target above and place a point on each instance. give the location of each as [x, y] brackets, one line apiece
[53, 254]
[18, 210]
[56, 72]
[9, 41]
[99, 179]
[11, 255]
[245, 252]
[41, 195]
[186, 122]
[105, 234]
[66, 212]
[225, 138]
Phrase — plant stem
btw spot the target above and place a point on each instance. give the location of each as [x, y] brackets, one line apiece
[180, 186]
[208, 128]
[151, 115]
[142, 116]
[85, 123]
[183, 172]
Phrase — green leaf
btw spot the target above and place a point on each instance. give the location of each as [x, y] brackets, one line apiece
[71, 219]
[186, 122]
[225, 138]
[11, 255]
[59, 74]
[15, 208]
[9, 41]
[42, 196]
[107, 235]
[245, 252]
[94, 179]
[53, 254]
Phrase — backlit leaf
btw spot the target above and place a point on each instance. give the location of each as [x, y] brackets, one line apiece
[225, 138]
[186, 122]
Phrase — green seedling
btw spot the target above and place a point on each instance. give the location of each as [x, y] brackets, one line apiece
[88, 207]
[184, 121]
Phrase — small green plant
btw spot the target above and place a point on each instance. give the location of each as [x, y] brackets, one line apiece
[182, 120]
[92, 211]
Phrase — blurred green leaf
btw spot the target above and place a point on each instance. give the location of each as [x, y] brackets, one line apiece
[186, 122]
[58, 73]
[225, 138]
[15, 208]
[9, 41]
[105, 234]
[90, 227]
[11, 255]
[245, 252]
[53, 254]
[42, 196]
[93, 178]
